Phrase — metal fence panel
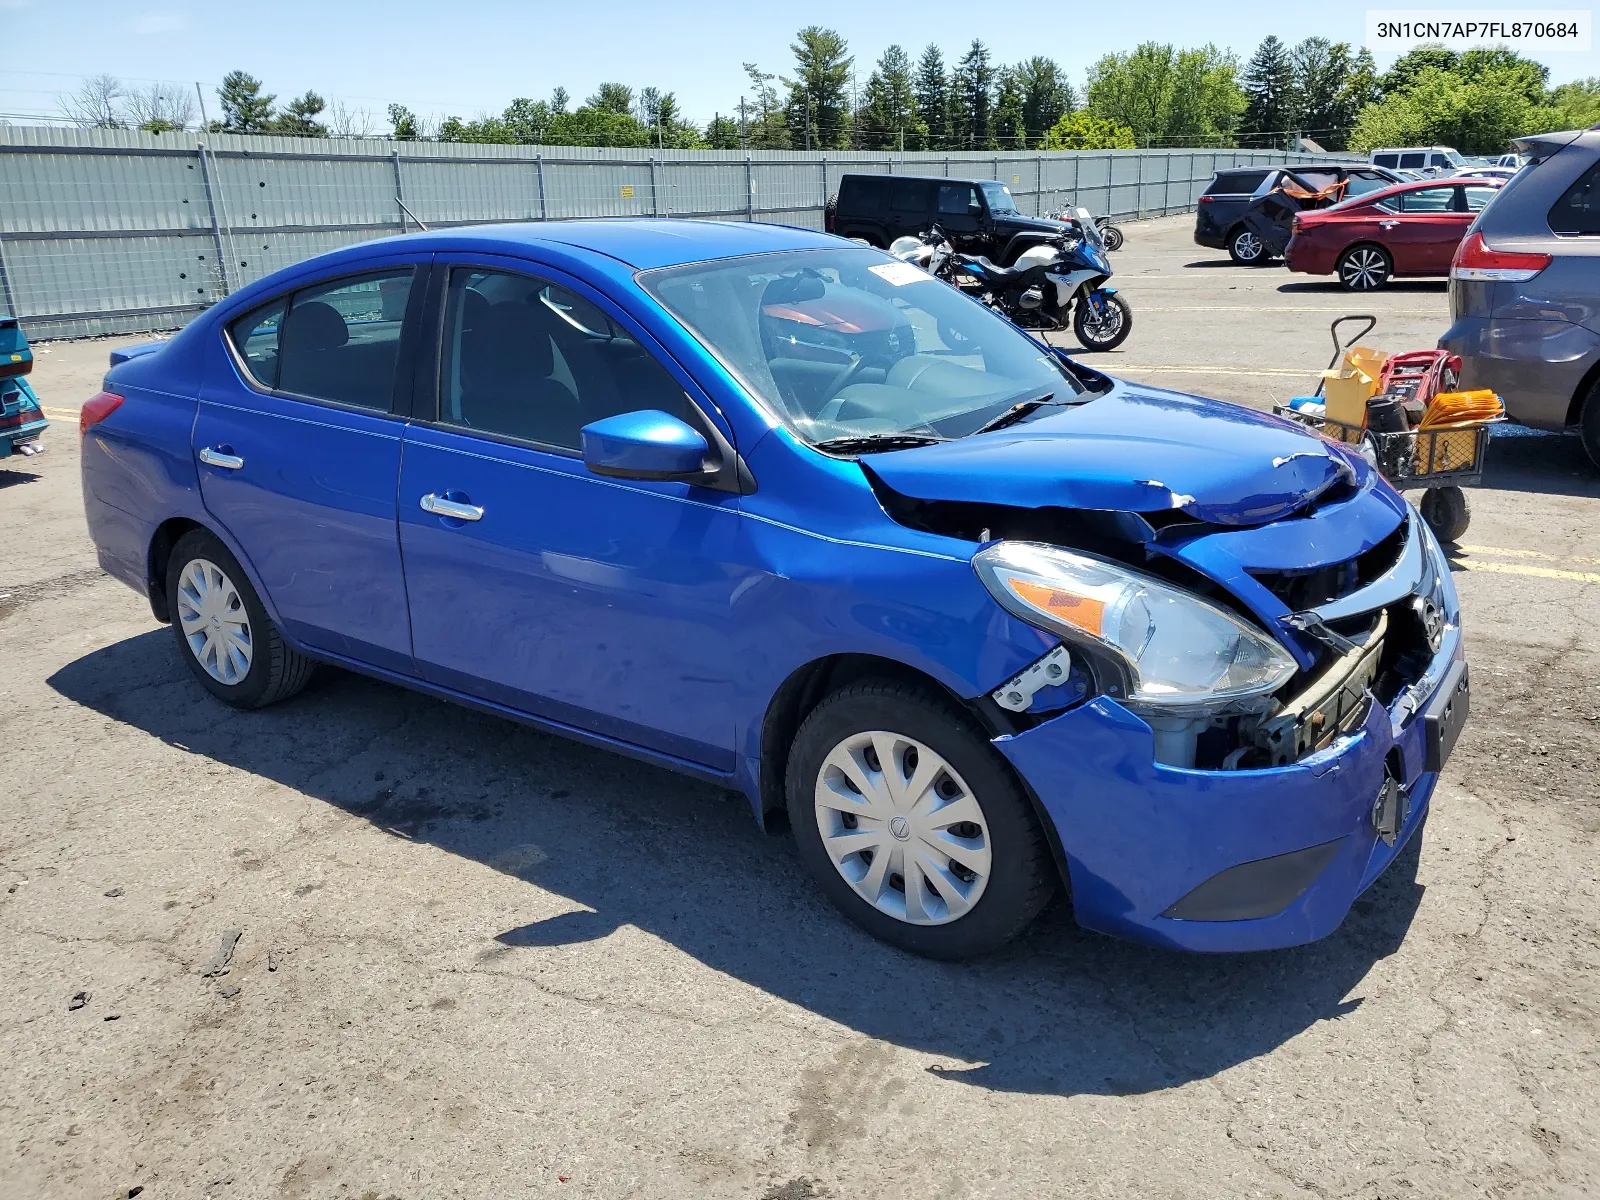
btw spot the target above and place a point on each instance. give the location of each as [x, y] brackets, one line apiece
[113, 231]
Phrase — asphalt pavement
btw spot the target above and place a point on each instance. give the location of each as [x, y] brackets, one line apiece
[474, 960]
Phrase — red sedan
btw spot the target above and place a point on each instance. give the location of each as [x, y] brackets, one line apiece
[1407, 229]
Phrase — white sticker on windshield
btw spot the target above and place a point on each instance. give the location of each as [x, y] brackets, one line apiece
[899, 273]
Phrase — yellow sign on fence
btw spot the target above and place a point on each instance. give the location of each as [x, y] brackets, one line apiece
[627, 191]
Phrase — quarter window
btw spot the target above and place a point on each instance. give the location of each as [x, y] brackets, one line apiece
[526, 358]
[338, 341]
[1578, 210]
[1478, 197]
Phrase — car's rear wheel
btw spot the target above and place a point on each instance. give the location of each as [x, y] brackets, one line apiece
[912, 824]
[223, 631]
[1247, 249]
[1589, 423]
[1364, 268]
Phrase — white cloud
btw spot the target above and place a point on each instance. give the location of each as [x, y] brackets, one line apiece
[155, 22]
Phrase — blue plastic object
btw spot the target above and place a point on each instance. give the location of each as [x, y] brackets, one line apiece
[22, 417]
[623, 597]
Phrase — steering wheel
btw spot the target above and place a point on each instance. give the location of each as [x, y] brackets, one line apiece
[846, 377]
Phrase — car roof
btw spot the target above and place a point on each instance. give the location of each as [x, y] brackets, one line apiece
[640, 242]
[919, 178]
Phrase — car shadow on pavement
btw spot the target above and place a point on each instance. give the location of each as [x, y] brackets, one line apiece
[1060, 1011]
[1332, 286]
[10, 477]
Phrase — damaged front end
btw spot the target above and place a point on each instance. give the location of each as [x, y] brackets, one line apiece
[1241, 647]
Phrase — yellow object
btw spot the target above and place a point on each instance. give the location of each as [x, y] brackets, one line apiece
[627, 191]
[1458, 408]
[1347, 388]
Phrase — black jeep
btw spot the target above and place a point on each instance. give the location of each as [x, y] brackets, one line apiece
[978, 214]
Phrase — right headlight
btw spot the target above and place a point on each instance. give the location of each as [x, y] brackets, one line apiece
[1176, 651]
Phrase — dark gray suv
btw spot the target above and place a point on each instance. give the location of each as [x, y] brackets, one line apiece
[1525, 289]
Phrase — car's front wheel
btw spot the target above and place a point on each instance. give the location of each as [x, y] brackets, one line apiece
[1589, 424]
[223, 631]
[1364, 269]
[912, 824]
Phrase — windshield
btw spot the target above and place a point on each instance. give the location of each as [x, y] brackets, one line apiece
[849, 343]
[999, 197]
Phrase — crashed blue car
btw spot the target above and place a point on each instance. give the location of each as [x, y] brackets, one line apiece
[22, 419]
[973, 621]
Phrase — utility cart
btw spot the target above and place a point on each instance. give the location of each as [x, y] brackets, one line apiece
[1405, 430]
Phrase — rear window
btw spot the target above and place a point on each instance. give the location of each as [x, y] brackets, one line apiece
[1235, 183]
[1386, 160]
[863, 192]
[1578, 210]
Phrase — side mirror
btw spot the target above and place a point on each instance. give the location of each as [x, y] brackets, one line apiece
[648, 444]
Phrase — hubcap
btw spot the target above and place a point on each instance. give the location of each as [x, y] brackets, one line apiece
[1103, 325]
[216, 627]
[1364, 270]
[902, 828]
[1247, 246]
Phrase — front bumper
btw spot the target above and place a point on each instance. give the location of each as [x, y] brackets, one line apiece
[1141, 836]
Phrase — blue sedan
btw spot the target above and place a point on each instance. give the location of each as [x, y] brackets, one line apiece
[775, 510]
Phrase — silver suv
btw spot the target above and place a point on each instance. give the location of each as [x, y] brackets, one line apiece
[1525, 289]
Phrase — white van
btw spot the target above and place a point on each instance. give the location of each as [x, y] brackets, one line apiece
[1426, 160]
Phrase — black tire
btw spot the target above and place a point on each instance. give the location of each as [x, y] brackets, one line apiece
[1447, 513]
[1246, 249]
[1364, 268]
[1112, 236]
[1589, 424]
[1022, 876]
[275, 671]
[1089, 336]
[830, 211]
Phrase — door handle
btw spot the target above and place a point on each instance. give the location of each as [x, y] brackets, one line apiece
[1387, 224]
[440, 507]
[216, 458]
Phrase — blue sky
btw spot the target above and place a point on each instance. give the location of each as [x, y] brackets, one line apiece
[475, 56]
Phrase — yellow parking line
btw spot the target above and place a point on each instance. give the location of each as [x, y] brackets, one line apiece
[1521, 569]
[1538, 554]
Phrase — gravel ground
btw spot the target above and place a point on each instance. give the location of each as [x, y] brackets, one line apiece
[474, 960]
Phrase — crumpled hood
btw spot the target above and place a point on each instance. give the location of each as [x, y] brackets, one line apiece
[1135, 449]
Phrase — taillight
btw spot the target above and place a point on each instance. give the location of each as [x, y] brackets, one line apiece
[1474, 260]
[1204, 200]
[97, 409]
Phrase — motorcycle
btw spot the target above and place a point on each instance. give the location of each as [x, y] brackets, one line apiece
[1109, 233]
[931, 251]
[1058, 280]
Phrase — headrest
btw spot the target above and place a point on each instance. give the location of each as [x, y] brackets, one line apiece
[313, 326]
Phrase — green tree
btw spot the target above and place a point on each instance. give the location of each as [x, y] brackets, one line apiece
[1578, 103]
[592, 125]
[1360, 89]
[1477, 115]
[722, 133]
[526, 121]
[1168, 96]
[1046, 97]
[403, 123]
[764, 124]
[299, 117]
[888, 116]
[244, 108]
[1402, 76]
[972, 99]
[1009, 130]
[1272, 102]
[658, 112]
[1081, 131]
[932, 88]
[819, 109]
[612, 98]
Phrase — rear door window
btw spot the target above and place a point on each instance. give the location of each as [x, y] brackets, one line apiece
[1236, 183]
[1477, 198]
[1413, 162]
[1578, 210]
[1425, 200]
[908, 196]
[340, 341]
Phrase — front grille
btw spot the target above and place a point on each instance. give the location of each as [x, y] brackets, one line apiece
[1303, 589]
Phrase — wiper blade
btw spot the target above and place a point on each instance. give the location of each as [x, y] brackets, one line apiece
[870, 443]
[1014, 414]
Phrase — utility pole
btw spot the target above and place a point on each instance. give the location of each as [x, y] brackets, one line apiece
[744, 130]
[204, 120]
